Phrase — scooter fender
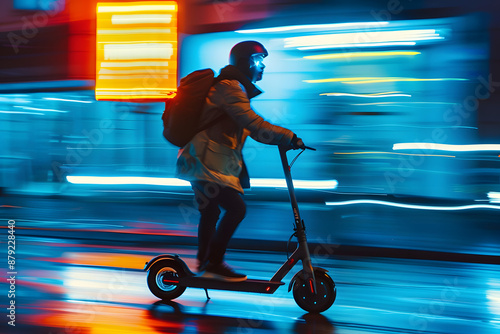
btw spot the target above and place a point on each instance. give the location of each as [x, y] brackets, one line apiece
[300, 273]
[172, 257]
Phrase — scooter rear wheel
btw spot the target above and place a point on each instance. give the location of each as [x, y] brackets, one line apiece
[315, 302]
[160, 273]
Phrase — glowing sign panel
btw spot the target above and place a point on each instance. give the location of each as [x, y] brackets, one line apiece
[136, 50]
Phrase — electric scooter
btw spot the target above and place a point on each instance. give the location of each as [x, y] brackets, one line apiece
[313, 289]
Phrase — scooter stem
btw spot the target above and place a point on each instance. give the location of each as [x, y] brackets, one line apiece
[303, 248]
[291, 189]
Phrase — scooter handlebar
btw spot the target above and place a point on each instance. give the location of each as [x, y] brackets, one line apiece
[288, 148]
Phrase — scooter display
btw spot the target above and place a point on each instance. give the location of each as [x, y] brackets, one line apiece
[313, 289]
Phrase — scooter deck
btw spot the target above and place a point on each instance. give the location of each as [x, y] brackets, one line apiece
[249, 285]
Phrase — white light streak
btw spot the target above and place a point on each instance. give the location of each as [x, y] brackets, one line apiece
[40, 109]
[20, 112]
[352, 45]
[381, 80]
[446, 147]
[135, 64]
[417, 207]
[133, 76]
[366, 95]
[133, 92]
[494, 197]
[133, 31]
[132, 41]
[132, 89]
[139, 180]
[406, 103]
[14, 100]
[128, 180]
[298, 184]
[138, 51]
[369, 80]
[332, 26]
[142, 71]
[367, 38]
[135, 8]
[349, 55]
[493, 296]
[65, 100]
[141, 19]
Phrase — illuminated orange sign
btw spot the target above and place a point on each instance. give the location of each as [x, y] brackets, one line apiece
[136, 50]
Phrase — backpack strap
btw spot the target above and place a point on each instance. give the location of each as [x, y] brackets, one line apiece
[213, 122]
[232, 73]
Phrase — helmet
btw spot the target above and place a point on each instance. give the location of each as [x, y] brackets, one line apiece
[243, 51]
[247, 56]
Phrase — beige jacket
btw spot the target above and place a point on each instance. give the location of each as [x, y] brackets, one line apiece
[214, 154]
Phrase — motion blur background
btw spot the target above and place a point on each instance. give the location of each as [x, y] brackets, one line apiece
[401, 200]
[359, 80]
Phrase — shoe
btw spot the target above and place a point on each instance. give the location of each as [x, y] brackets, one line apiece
[222, 272]
[202, 266]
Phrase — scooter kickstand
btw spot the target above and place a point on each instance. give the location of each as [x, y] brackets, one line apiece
[206, 292]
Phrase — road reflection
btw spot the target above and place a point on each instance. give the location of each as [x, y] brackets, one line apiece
[76, 287]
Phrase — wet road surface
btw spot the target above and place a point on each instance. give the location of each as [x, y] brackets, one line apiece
[75, 286]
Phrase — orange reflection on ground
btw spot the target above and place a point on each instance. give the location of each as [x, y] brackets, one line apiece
[95, 318]
[113, 260]
[106, 260]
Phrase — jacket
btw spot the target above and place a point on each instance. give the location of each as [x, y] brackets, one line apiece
[215, 154]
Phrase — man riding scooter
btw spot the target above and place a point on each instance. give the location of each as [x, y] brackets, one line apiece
[212, 161]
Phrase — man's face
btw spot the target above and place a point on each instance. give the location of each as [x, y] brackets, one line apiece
[256, 67]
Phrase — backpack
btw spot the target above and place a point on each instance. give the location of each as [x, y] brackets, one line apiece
[182, 113]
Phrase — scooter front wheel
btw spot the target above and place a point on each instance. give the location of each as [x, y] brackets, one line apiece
[315, 302]
[162, 278]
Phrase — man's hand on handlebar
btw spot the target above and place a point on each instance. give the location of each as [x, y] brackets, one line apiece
[297, 143]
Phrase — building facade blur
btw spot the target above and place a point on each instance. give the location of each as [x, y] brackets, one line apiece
[359, 82]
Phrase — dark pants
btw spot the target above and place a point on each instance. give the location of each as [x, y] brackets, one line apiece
[212, 238]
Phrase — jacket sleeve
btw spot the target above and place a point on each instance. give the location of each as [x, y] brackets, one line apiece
[237, 105]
